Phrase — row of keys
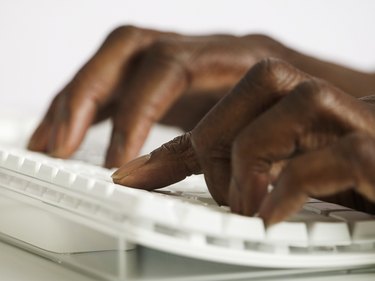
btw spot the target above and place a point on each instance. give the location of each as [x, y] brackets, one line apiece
[319, 224]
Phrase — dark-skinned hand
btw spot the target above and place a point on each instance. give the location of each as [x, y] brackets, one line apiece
[277, 126]
[141, 76]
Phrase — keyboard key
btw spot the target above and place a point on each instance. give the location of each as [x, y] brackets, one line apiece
[13, 162]
[160, 211]
[47, 172]
[323, 230]
[362, 225]
[350, 216]
[82, 184]
[30, 167]
[363, 231]
[292, 233]
[64, 178]
[101, 189]
[328, 233]
[247, 228]
[204, 220]
[323, 208]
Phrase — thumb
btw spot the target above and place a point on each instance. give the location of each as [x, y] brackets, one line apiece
[170, 163]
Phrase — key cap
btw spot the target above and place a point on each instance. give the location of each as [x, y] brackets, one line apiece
[47, 173]
[323, 208]
[64, 178]
[292, 233]
[247, 228]
[351, 216]
[200, 219]
[101, 189]
[363, 231]
[82, 184]
[30, 167]
[329, 233]
[13, 162]
[362, 225]
[158, 210]
[323, 230]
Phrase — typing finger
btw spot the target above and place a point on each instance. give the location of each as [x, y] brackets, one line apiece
[159, 80]
[170, 68]
[263, 86]
[324, 172]
[211, 140]
[168, 164]
[76, 106]
[313, 115]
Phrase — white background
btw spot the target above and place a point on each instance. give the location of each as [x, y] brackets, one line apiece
[43, 42]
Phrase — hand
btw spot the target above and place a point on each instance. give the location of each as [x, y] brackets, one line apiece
[278, 125]
[139, 77]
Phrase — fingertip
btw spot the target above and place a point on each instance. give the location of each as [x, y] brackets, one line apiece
[142, 173]
[39, 139]
[122, 148]
[267, 212]
[130, 167]
[234, 198]
[275, 208]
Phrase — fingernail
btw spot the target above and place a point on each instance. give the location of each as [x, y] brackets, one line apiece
[130, 167]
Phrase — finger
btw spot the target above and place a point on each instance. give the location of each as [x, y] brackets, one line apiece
[263, 86]
[40, 138]
[92, 88]
[313, 115]
[190, 108]
[323, 172]
[158, 82]
[168, 164]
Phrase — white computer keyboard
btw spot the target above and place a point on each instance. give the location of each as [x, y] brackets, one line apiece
[181, 219]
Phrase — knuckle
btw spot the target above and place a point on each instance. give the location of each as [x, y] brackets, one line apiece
[364, 147]
[271, 69]
[178, 145]
[180, 149]
[125, 31]
[166, 50]
[275, 75]
[314, 93]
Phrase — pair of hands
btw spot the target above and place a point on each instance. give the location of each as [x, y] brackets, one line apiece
[277, 125]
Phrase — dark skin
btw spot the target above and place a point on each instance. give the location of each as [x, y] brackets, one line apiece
[278, 125]
[139, 77]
